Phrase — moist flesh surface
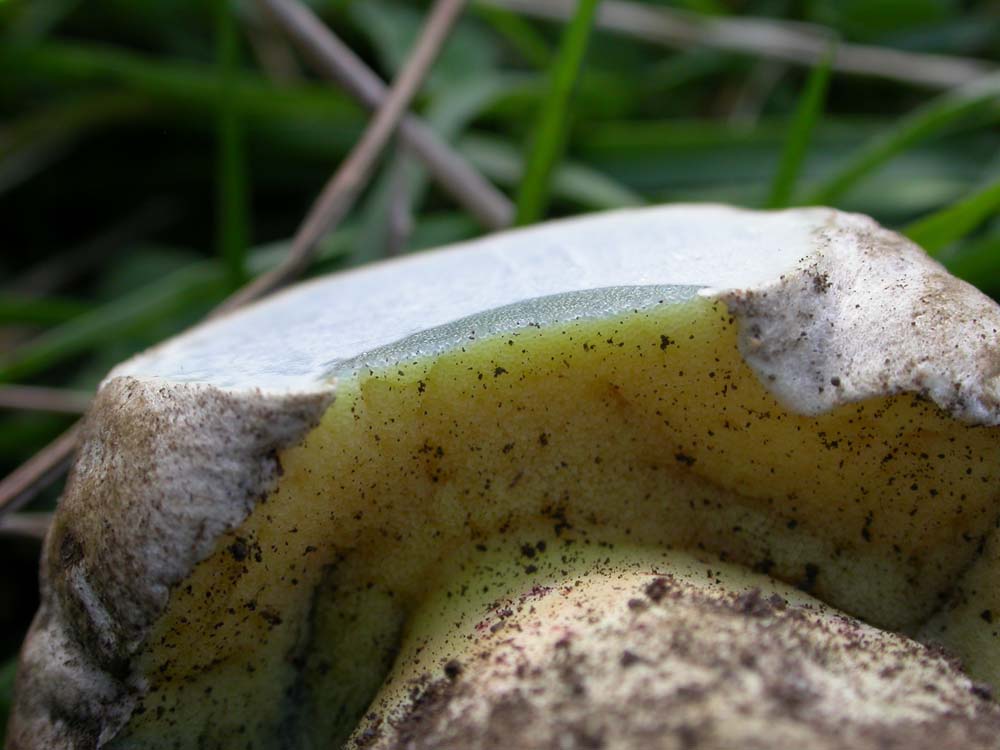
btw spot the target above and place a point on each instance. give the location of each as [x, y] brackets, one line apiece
[644, 429]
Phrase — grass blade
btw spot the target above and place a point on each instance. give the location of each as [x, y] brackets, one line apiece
[807, 115]
[15, 309]
[919, 125]
[121, 317]
[523, 38]
[571, 182]
[231, 177]
[550, 132]
[36, 20]
[7, 671]
[978, 262]
[188, 85]
[940, 229]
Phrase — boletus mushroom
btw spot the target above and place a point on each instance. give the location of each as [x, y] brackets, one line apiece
[688, 476]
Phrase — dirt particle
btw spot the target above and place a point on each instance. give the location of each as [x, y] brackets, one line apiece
[753, 604]
[821, 283]
[453, 669]
[70, 549]
[271, 617]
[809, 582]
[982, 690]
[764, 566]
[239, 550]
[629, 659]
[657, 589]
[688, 736]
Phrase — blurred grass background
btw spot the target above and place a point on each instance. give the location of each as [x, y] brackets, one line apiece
[155, 154]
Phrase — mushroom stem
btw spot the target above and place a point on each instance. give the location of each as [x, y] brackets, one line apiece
[625, 647]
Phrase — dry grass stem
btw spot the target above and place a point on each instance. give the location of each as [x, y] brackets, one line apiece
[25, 525]
[38, 472]
[40, 398]
[340, 193]
[335, 60]
[793, 42]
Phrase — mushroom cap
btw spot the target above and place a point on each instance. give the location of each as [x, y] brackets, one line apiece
[181, 442]
[821, 294]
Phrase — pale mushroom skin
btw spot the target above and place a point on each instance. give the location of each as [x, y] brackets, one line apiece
[190, 447]
[627, 647]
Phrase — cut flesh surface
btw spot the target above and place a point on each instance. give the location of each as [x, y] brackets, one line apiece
[647, 429]
[802, 394]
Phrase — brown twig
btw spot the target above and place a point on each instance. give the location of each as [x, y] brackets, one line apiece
[26, 525]
[343, 188]
[38, 472]
[47, 465]
[39, 398]
[272, 52]
[793, 42]
[334, 59]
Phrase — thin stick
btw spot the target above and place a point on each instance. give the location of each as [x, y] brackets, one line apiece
[343, 188]
[334, 59]
[271, 50]
[798, 43]
[38, 472]
[39, 398]
[26, 525]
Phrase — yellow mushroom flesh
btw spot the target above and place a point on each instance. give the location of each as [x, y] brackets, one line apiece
[645, 430]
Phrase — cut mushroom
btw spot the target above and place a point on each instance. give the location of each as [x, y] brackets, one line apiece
[266, 509]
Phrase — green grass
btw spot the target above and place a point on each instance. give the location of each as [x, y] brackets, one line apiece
[190, 88]
[950, 224]
[981, 98]
[523, 38]
[800, 131]
[20, 309]
[548, 138]
[111, 106]
[7, 670]
[232, 183]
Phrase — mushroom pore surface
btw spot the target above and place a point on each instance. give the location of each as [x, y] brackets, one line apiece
[644, 431]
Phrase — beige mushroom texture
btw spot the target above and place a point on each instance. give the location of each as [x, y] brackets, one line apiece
[542, 489]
